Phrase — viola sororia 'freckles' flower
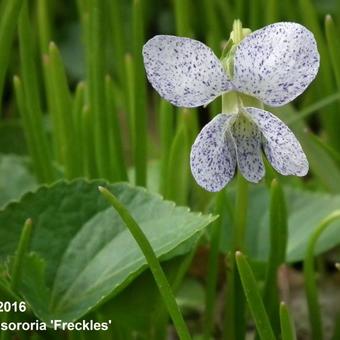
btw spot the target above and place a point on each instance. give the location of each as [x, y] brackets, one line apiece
[274, 64]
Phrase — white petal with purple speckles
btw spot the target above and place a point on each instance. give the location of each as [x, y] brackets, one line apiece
[247, 138]
[184, 71]
[281, 147]
[276, 63]
[213, 158]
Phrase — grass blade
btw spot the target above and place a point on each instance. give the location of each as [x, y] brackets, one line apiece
[309, 277]
[155, 267]
[166, 128]
[62, 104]
[253, 298]
[8, 22]
[287, 324]
[140, 114]
[116, 144]
[97, 86]
[30, 83]
[278, 242]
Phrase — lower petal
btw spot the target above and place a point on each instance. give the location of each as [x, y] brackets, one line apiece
[213, 157]
[281, 147]
[247, 138]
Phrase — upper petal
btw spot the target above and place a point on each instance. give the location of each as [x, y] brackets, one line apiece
[184, 71]
[247, 137]
[276, 63]
[281, 147]
[213, 157]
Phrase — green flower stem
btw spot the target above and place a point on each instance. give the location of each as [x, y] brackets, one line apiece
[97, 86]
[115, 138]
[9, 17]
[253, 297]
[309, 277]
[287, 324]
[166, 127]
[210, 297]
[44, 28]
[30, 83]
[277, 254]
[62, 104]
[240, 217]
[22, 249]
[155, 267]
[140, 114]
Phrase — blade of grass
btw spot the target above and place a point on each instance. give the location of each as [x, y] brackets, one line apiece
[309, 277]
[140, 113]
[89, 156]
[30, 83]
[16, 268]
[56, 124]
[333, 47]
[86, 141]
[253, 298]
[77, 111]
[166, 128]
[155, 267]
[44, 28]
[313, 108]
[8, 22]
[62, 104]
[27, 126]
[130, 95]
[182, 18]
[271, 11]
[97, 86]
[287, 324]
[278, 242]
[178, 170]
[322, 166]
[22, 249]
[117, 34]
[116, 144]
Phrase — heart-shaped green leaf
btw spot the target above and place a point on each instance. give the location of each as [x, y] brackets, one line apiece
[85, 254]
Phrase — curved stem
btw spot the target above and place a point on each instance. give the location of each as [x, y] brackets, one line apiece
[155, 267]
[309, 276]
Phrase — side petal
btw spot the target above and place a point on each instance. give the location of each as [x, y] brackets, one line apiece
[281, 147]
[247, 138]
[213, 157]
[276, 63]
[184, 71]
